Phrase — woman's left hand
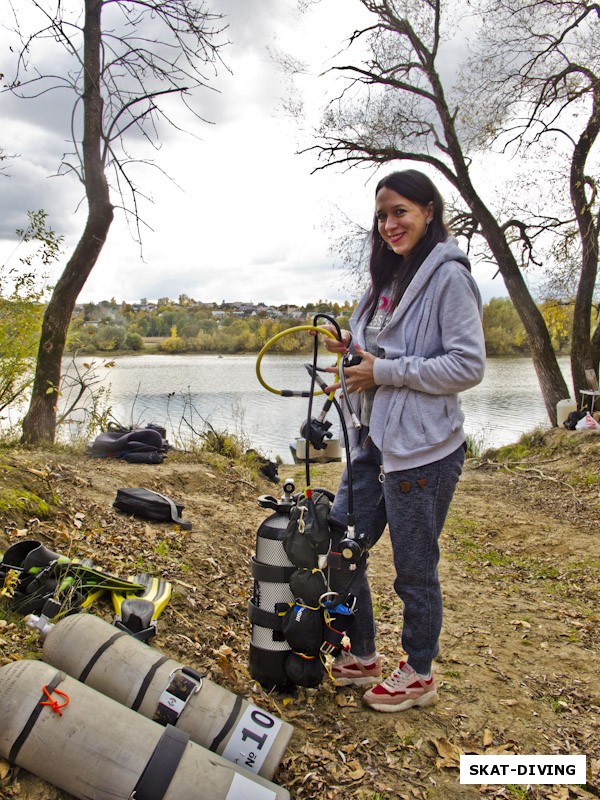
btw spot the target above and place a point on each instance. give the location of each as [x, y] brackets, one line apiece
[357, 378]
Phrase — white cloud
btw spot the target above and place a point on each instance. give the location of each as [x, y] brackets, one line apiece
[244, 217]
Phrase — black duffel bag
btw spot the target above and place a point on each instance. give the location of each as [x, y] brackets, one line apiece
[150, 505]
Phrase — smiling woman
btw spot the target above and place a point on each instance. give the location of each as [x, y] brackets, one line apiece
[400, 222]
[419, 337]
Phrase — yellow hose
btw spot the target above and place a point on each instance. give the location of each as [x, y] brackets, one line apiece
[276, 338]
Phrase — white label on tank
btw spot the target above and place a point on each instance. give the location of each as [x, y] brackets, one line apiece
[252, 738]
[245, 789]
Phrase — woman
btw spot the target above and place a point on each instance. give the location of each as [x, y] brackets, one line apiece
[419, 335]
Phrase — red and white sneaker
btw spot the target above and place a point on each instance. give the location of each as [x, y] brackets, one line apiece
[403, 689]
[347, 670]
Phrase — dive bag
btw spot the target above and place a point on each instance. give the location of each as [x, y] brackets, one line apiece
[150, 505]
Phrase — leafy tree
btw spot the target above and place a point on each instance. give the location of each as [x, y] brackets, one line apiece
[109, 337]
[174, 344]
[401, 104]
[133, 341]
[559, 319]
[126, 70]
[21, 306]
[503, 330]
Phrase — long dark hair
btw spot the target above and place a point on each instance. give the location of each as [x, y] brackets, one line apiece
[386, 266]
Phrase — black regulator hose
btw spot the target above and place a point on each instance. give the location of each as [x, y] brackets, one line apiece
[315, 378]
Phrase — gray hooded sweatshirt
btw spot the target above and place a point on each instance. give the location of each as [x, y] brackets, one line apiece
[433, 349]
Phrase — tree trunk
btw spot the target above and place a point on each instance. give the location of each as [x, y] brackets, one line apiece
[39, 424]
[596, 351]
[584, 354]
[552, 383]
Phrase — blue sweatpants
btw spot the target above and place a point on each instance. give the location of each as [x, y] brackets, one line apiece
[414, 504]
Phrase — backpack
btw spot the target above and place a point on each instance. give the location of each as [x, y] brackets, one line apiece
[150, 505]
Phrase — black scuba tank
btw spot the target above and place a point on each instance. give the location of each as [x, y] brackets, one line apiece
[271, 570]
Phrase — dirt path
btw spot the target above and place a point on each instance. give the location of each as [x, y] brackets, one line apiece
[520, 644]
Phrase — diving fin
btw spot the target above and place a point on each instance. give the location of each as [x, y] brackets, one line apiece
[72, 582]
[137, 612]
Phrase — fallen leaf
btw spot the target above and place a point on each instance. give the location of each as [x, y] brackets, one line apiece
[508, 702]
[345, 702]
[523, 623]
[500, 749]
[488, 737]
[357, 774]
[4, 769]
[183, 583]
[448, 751]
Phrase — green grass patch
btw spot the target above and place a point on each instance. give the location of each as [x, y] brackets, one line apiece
[527, 445]
[23, 500]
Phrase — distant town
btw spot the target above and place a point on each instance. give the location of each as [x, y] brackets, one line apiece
[187, 325]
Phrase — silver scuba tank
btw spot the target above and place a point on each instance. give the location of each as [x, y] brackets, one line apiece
[271, 570]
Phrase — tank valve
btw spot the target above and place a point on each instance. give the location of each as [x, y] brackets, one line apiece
[42, 624]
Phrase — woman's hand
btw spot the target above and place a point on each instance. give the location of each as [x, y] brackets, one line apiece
[334, 345]
[357, 378]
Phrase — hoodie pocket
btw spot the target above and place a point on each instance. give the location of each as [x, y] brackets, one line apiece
[439, 420]
[422, 421]
[404, 430]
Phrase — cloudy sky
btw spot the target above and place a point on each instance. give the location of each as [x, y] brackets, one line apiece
[244, 217]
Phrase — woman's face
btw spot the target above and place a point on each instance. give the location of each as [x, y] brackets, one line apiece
[402, 224]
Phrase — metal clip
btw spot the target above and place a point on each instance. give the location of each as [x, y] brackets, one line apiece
[301, 522]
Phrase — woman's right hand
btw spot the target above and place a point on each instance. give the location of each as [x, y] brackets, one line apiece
[334, 345]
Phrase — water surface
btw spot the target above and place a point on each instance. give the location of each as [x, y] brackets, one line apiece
[185, 393]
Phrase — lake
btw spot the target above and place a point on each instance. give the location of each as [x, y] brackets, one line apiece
[184, 393]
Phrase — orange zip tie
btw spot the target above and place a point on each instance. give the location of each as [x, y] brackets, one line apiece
[54, 704]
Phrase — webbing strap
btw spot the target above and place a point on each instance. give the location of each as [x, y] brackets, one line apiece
[228, 725]
[102, 649]
[146, 682]
[271, 573]
[33, 717]
[162, 765]
[187, 526]
[263, 618]
[183, 683]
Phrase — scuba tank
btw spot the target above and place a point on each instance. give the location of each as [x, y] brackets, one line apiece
[304, 566]
[93, 747]
[297, 621]
[271, 570]
[125, 669]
